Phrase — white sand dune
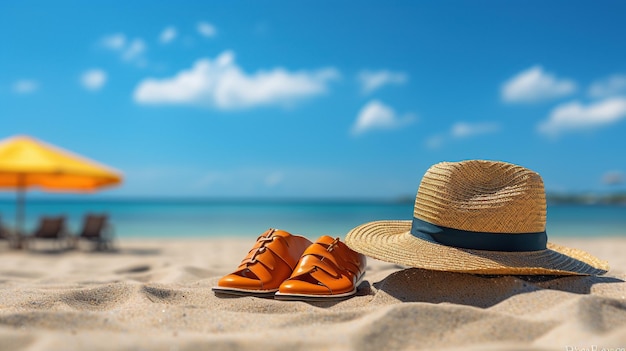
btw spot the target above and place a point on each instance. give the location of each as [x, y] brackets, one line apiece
[156, 295]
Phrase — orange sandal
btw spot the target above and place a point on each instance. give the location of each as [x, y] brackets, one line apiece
[267, 265]
[327, 269]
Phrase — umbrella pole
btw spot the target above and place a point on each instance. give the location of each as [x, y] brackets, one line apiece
[19, 215]
[19, 211]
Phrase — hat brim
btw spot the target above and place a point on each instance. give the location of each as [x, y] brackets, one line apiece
[391, 241]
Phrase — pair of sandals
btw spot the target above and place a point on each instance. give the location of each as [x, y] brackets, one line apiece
[290, 267]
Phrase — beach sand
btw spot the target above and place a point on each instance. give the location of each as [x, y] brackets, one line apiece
[156, 295]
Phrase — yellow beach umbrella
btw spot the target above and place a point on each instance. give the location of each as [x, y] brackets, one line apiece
[26, 162]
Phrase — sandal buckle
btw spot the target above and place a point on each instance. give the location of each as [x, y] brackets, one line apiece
[332, 245]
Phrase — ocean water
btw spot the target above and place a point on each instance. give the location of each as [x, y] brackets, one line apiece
[195, 218]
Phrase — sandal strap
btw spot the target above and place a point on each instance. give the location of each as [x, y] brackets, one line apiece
[263, 258]
[310, 263]
[258, 251]
[335, 259]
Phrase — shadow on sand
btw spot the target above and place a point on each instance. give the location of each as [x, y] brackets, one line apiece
[420, 285]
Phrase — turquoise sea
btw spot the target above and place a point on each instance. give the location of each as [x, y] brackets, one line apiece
[215, 218]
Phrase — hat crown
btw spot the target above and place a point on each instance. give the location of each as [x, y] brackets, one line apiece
[482, 196]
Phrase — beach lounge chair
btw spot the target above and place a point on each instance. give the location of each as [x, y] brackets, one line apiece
[8, 235]
[96, 229]
[51, 229]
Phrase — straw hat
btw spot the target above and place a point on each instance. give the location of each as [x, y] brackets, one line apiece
[482, 217]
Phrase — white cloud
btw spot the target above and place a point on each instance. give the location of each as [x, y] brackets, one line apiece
[613, 178]
[274, 178]
[534, 84]
[241, 178]
[289, 181]
[25, 86]
[464, 130]
[206, 29]
[461, 130]
[611, 86]
[114, 42]
[576, 116]
[371, 80]
[223, 84]
[134, 50]
[129, 50]
[376, 115]
[93, 79]
[168, 34]
[435, 141]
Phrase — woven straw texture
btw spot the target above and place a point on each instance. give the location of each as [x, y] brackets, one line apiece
[481, 196]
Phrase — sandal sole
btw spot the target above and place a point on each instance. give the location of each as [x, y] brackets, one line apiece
[243, 292]
[313, 297]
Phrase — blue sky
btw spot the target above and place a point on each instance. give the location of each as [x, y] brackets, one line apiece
[318, 99]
